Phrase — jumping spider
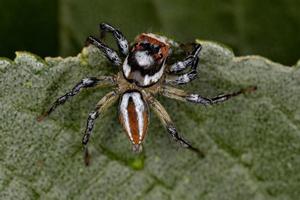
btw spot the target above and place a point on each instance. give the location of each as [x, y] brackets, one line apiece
[144, 72]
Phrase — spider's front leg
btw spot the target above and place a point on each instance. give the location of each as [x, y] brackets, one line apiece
[109, 53]
[120, 38]
[175, 93]
[84, 83]
[169, 125]
[101, 107]
[191, 60]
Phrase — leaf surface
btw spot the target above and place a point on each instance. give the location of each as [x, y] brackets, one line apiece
[252, 142]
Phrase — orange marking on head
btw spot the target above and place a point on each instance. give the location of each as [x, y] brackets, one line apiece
[153, 40]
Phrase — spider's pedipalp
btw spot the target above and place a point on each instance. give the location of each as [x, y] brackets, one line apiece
[169, 125]
[175, 93]
[120, 38]
[101, 107]
[84, 83]
[109, 53]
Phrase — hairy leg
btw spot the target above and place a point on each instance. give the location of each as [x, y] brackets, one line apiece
[192, 60]
[84, 83]
[101, 107]
[169, 125]
[119, 37]
[175, 93]
[188, 61]
[110, 54]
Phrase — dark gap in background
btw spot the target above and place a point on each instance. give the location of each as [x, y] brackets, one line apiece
[29, 25]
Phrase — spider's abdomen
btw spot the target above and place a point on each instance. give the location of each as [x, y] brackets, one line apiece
[134, 116]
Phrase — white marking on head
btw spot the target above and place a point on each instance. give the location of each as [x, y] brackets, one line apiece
[143, 59]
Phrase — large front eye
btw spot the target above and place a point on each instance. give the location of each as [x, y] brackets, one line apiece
[145, 46]
[156, 49]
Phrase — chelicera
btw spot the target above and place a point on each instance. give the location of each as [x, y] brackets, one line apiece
[144, 73]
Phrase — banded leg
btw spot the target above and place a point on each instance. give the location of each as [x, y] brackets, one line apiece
[84, 83]
[101, 107]
[121, 40]
[192, 60]
[169, 125]
[109, 53]
[181, 95]
[188, 61]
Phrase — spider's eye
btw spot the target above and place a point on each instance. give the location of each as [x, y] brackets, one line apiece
[145, 45]
[156, 49]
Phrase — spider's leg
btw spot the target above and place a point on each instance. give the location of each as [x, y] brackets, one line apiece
[84, 83]
[188, 61]
[169, 125]
[183, 78]
[120, 38]
[192, 60]
[175, 93]
[101, 106]
[110, 54]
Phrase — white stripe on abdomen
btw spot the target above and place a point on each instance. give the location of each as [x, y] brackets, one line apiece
[133, 114]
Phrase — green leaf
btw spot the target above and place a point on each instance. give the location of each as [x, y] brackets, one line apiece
[252, 142]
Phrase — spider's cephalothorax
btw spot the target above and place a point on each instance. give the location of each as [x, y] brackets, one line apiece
[144, 72]
[145, 63]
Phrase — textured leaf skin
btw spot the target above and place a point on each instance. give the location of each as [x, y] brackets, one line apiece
[252, 142]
